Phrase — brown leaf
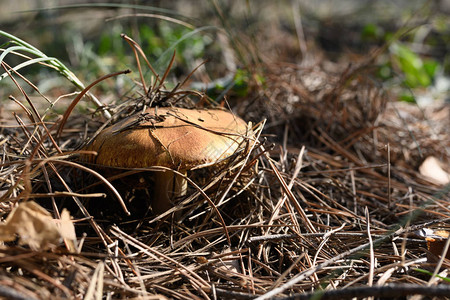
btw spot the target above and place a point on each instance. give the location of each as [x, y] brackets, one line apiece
[35, 226]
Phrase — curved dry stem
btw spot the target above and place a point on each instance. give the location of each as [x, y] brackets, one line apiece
[136, 56]
[78, 98]
[156, 16]
[139, 49]
[169, 66]
[88, 170]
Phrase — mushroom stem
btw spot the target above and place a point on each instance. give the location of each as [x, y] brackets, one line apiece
[168, 186]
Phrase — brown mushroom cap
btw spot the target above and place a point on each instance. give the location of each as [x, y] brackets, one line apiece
[177, 138]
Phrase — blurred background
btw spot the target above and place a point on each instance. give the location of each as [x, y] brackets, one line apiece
[234, 37]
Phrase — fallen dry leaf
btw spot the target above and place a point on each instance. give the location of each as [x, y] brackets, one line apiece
[431, 168]
[35, 227]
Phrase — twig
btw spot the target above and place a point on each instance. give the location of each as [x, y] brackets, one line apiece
[13, 294]
[200, 282]
[371, 251]
[389, 175]
[311, 271]
[385, 291]
[78, 98]
[291, 196]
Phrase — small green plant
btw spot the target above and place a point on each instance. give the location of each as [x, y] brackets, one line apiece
[159, 43]
[237, 84]
[372, 32]
[417, 72]
[401, 60]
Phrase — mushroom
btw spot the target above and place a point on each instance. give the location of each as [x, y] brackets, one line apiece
[177, 138]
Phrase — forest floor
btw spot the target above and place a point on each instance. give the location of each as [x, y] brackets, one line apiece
[339, 190]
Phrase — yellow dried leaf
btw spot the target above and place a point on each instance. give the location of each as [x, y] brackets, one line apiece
[67, 230]
[65, 226]
[35, 227]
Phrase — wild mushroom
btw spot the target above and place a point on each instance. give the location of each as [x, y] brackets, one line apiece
[177, 138]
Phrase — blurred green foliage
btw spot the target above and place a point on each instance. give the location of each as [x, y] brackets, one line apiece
[94, 48]
[371, 32]
[401, 61]
[109, 52]
[237, 84]
[417, 72]
[154, 41]
[241, 80]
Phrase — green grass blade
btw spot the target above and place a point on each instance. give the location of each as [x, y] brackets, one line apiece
[55, 63]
